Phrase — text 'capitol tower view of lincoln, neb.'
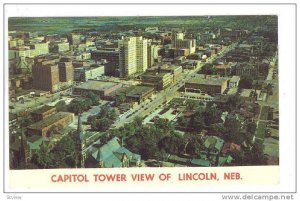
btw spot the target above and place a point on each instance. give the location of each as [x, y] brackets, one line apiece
[111, 92]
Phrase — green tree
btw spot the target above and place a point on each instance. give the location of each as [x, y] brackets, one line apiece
[92, 97]
[25, 121]
[102, 124]
[256, 156]
[183, 121]
[212, 115]
[61, 106]
[246, 82]
[120, 99]
[43, 158]
[64, 152]
[197, 121]
[79, 105]
[233, 129]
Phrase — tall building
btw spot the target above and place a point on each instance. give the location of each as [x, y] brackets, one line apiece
[179, 42]
[39, 49]
[150, 55]
[74, 39]
[141, 54]
[133, 56]
[45, 76]
[66, 72]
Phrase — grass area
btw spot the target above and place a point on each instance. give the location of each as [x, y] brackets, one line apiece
[264, 113]
[260, 130]
[271, 147]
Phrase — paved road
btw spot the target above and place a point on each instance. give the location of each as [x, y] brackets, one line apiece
[167, 94]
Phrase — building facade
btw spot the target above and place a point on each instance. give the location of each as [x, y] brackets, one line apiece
[133, 56]
[45, 76]
[66, 73]
[83, 74]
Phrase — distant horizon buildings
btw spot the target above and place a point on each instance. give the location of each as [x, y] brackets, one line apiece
[133, 55]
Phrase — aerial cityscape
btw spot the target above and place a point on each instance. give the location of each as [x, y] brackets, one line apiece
[157, 91]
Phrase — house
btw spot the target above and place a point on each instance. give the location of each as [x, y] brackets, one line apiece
[110, 155]
[200, 163]
[224, 160]
[214, 144]
[229, 147]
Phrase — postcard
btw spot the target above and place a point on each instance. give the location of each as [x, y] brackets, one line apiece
[162, 102]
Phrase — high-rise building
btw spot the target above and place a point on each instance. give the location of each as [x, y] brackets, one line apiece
[39, 49]
[66, 72]
[150, 55]
[179, 42]
[45, 76]
[133, 56]
[74, 39]
[141, 54]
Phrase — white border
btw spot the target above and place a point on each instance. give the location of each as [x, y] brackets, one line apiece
[286, 14]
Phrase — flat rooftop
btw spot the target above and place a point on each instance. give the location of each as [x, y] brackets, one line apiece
[138, 90]
[49, 120]
[43, 109]
[235, 78]
[208, 81]
[96, 85]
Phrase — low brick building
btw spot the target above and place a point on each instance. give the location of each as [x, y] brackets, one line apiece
[60, 119]
[99, 88]
[42, 112]
[207, 84]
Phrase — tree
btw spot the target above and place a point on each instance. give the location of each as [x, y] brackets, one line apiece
[208, 69]
[212, 115]
[64, 152]
[101, 124]
[233, 102]
[79, 105]
[61, 106]
[25, 121]
[92, 97]
[246, 82]
[233, 129]
[250, 131]
[120, 99]
[197, 121]
[256, 156]
[183, 121]
[165, 125]
[43, 159]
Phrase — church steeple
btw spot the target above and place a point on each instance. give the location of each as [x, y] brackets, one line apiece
[79, 134]
[79, 125]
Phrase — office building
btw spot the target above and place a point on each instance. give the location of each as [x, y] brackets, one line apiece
[133, 56]
[45, 75]
[66, 73]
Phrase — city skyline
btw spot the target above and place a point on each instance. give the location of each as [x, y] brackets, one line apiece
[154, 91]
